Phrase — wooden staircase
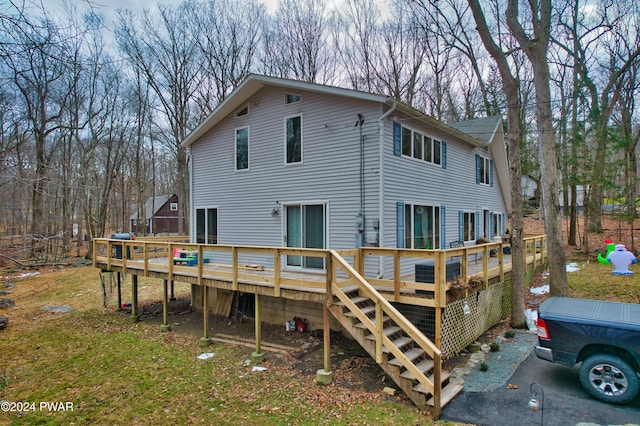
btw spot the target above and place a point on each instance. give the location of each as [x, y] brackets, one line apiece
[402, 351]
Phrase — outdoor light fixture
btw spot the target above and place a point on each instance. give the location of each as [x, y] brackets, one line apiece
[276, 211]
[536, 404]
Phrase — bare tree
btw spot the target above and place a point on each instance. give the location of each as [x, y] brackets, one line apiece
[536, 44]
[227, 34]
[629, 140]
[511, 87]
[296, 45]
[602, 56]
[32, 54]
[169, 58]
[355, 29]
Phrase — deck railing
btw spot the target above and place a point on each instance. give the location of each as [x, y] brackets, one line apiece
[236, 264]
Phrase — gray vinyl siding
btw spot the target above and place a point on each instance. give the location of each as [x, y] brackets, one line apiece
[328, 174]
[409, 180]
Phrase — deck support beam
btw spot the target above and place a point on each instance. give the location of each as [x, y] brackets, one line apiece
[205, 340]
[173, 296]
[258, 355]
[165, 308]
[134, 299]
[119, 280]
[325, 375]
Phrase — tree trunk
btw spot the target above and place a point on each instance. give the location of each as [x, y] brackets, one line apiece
[536, 50]
[511, 86]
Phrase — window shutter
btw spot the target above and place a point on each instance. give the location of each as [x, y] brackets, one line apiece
[478, 168]
[443, 227]
[490, 172]
[460, 225]
[397, 138]
[478, 225]
[444, 155]
[400, 218]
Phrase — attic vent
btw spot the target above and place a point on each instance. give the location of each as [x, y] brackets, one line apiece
[243, 111]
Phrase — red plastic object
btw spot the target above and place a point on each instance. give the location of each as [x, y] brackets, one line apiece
[301, 325]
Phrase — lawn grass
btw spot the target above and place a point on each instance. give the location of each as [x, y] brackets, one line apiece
[114, 371]
[595, 281]
[118, 372]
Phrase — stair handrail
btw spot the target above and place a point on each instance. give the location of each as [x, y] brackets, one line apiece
[383, 305]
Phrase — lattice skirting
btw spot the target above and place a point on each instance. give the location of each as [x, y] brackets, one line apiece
[466, 319]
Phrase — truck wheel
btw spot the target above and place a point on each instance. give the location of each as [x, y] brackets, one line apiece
[609, 378]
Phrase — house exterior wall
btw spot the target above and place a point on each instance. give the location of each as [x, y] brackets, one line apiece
[452, 188]
[329, 173]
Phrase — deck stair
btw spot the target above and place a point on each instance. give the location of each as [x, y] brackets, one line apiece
[404, 361]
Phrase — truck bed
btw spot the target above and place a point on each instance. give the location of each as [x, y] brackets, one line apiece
[622, 315]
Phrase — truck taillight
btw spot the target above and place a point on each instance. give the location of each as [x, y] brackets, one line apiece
[543, 330]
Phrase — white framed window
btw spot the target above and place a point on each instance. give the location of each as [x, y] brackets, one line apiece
[292, 98]
[242, 148]
[293, 139]
[173, 207]
[420, 146]
[497, 223]
[484, 170]
[469, 226]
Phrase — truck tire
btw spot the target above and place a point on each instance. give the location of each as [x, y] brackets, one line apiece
[609, 378]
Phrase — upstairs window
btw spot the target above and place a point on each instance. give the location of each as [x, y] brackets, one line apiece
[484, 170]
[410, 143]
[293, 139]
[290, 98]
[242, 148]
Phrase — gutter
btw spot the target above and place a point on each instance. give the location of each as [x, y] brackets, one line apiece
[381, 184]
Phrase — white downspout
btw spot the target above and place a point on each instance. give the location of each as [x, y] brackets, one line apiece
[381, 242]
[191, 213]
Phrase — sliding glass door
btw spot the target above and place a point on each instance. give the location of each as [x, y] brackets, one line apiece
[305, 228]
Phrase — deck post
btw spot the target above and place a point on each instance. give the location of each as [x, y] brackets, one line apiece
[173, 296]
[440, 296]
[119, 291]
[134, 298]
[325, 375]
[258, 355]
[205, 340]
[165, 308]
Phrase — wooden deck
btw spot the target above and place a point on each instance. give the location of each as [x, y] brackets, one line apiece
[361, 303]
[154, 259]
